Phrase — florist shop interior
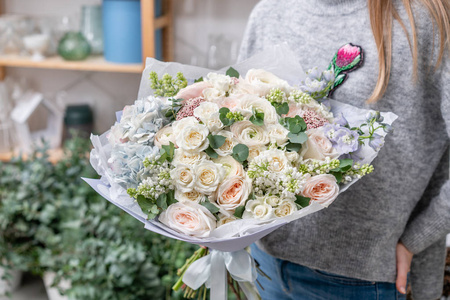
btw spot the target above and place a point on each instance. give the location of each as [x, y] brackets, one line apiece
[66, 68]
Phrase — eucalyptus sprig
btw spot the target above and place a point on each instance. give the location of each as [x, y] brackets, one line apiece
[297, 135]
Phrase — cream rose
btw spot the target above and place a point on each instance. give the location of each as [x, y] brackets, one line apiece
[189, 218]
[227, 147]
[322, 189]
[214, 95]
[232, 167]
[255, 151]
[272, 200]
[276, 159]
[193, 91]
[224, 219]
[208, 177]
[220, 82]
[189, 158]
[258, 209]
[277, 134]
[233, 192]
[213, 123]
[193, 138]
[249, 134]
[285, 208]
[164, 136]
[180, 124]
[318, 146]
[250, 103]
[260, 82]
[205, 110]
[184, 177]
[192, 196]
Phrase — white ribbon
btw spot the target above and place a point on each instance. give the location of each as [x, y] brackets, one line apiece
[212, 271]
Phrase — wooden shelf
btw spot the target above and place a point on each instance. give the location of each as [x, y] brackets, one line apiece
[55, 155]
[93, 63]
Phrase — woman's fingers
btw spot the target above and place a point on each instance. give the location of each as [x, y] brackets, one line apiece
[404, 257]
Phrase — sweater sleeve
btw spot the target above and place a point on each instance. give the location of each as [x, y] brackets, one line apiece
[251, 42]
[432, 221]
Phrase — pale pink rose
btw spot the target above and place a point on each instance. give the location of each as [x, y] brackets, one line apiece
[193, 91]
[322, 189]
[318, 146]
[260, 82]
[233, 192]
[164, 136]
[189, 218]
[232, 103]
[294, 110]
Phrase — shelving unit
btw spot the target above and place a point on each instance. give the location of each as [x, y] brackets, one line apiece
[54, 155]
[97, 64]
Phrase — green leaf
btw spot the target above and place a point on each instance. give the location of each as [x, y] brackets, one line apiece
[239, 212]
[302, 201]
[216, 141]
[257, 118]
[240, 152]
[211, 207]
[293, 147]
[232, 73]
[171, 198]
[338, 176]
[210, 151]
[223, 116]
[198, 80]
[296, 125]
[282, 109]
[169, 150]
[298, 138]
[345, 164]
[162, 201]
[145, 204]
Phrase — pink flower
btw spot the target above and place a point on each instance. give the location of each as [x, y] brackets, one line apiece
[313, 120]
[187, 110]
[322, 189]
[233, 192]
[347, 54]
[193, 91]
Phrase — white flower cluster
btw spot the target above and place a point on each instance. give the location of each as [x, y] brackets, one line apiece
[157, 179]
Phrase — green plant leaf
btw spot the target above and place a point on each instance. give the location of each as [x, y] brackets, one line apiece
[298, 138]
[216, 141]
[162, 201]
[169, 150]
[211, 207]
[211, 153]
[240, 152]
[257, 118]
[223, 116]
[302, 201]
[345, 164]
[171, 198]
[232, 73]
[338, 176]
[145, 204]
[293, 147]
[282, 109]
[198, 80]
[239, 212]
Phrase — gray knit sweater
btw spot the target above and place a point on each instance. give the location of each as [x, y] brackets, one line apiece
[407, 198]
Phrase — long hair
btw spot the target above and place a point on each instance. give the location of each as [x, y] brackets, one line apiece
[382, 14]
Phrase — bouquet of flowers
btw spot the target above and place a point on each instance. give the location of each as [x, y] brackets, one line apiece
[228, 158]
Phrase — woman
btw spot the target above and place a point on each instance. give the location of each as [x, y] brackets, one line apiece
[362, 246]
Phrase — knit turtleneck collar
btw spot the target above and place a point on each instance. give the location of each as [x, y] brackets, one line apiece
[333, 7]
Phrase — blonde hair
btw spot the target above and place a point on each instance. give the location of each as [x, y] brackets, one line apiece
[382, 13]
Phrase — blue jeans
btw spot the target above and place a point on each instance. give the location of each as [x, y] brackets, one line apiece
[295, 282]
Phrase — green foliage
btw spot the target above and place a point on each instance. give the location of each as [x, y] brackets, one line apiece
[240, 153]
[297, 135]
[344, 166]
[50, 220]
[167, 86]
[232, 73]
[302, 201]
[216, 141]
[257, 118]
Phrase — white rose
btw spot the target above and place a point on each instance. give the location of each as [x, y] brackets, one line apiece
[260, 82]
[250, 103]
[227, 147]
[318, 146]
[205, 110]
[208, 177]
[285, 208]
[189, 158]
[184, 178]
[189, 218]
[213, 123]
[224, 219]
[249, 134]
[276, 159]
[258, 209]
[293, 157]
[232, 167]
[164, 136]
[180, 124]
[221, 82]
[255, 151]
[277, 134]
[233, 192]
[193, 138]
[213, 95]
[272, 200]
[192, 196]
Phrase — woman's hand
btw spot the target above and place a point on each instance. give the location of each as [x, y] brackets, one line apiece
[404, 257]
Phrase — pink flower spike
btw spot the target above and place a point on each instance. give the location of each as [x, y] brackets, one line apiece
[187, 110]
[347, 54]
[313, 120]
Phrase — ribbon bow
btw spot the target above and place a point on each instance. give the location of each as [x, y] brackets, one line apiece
[212, 271]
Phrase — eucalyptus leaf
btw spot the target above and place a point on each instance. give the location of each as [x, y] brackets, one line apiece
[211, 153]
[216, 141]
[302, 201]
[232, 73]
[211, 207]
[239, 212]
[240, 152]
[298, 138]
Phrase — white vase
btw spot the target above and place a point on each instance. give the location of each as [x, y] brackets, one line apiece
[52, 292]
[13, 284]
